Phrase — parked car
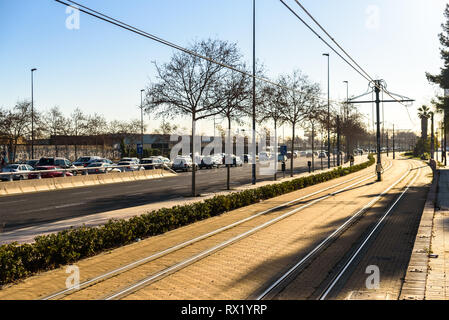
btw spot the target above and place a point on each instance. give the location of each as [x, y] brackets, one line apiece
[182, 164]
[62, 163]
[101, 167]
[32, 163]
[84, 161]
[322, 155]
[22, 171]
[247, 158]
[151, 163]
[264, 156]
[135, 160]
[52, 172]
[236, 161]
[166, 161]
[209, 162]
[131, 166]
[282, 158]
[100, 160]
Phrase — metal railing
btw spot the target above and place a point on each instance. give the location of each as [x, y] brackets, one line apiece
[85, 170]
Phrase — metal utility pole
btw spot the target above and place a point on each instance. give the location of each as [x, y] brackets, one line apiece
[346, 118]
[445, 138]
[379, 160]
[338, 141]
[141, 122]
[313, 147]
[321, 158]
[32, 113]
[432, 139]
[394, 151]
[328, 112]
[388, 147]
[378, 86]
[254, 95]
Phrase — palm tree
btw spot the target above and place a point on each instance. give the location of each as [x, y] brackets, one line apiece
[424, 114]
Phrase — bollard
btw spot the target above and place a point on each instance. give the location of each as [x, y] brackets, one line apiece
[309, 163]
[283, 168]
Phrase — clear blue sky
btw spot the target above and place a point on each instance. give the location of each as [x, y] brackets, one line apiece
[101, 68]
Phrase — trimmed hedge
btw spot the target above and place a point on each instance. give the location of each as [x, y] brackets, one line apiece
[54, 250]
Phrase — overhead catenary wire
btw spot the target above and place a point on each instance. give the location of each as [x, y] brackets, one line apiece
[118, 23]
[316, 33]
[367, 77]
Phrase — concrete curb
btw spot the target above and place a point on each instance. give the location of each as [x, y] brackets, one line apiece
[414, 287]
[49, 184]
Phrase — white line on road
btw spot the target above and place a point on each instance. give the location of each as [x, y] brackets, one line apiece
[70, 205]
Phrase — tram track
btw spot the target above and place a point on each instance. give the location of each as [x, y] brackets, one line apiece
[276, 287]
[159, 274]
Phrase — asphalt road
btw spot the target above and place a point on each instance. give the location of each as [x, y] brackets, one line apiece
[42, 207]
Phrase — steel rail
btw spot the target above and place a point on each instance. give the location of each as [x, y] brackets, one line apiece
[338, 276]
[152, 257]
[327, 240]
[165, 272]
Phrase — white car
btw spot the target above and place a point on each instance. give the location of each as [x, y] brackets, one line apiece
[131, 166]
[264, 156]
[20, 171]
[182, 164]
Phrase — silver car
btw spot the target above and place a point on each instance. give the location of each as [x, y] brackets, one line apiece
[22, 171]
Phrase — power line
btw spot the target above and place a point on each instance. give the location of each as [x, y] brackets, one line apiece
[332, 38]
[128, 27]
[367, 77]
[316, 33]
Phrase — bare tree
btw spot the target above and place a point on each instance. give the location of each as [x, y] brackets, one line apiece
[55, 124]
[299, 102]
[16, 125]
[187, 85]
[96, 126]
[166, 128]
[235, 88]
[78, 126]
[270, 109]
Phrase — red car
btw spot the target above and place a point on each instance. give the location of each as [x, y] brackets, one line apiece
[49, 174]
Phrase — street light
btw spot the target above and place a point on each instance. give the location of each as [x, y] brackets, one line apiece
[253, 167]
[347, 99]
[346, 116]
[328, 114]
[141, 121]
[32, 114]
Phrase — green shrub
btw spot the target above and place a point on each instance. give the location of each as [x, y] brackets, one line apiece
[54, 250]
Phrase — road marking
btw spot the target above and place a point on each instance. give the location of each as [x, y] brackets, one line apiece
[9, 202]
[69, 205]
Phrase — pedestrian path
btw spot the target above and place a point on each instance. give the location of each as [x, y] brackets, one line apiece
[437, 285]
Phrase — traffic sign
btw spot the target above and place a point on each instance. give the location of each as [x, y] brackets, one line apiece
[139, 149]
[284, 150]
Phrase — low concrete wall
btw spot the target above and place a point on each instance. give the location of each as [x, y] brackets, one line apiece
[36, 185]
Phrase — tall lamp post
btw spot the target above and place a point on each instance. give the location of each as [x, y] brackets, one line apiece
[141, 121]
[32, 113]
[254, 97]
[346, 117]
[328, 114]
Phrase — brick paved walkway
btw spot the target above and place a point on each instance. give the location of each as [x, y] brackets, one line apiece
[437, 286]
